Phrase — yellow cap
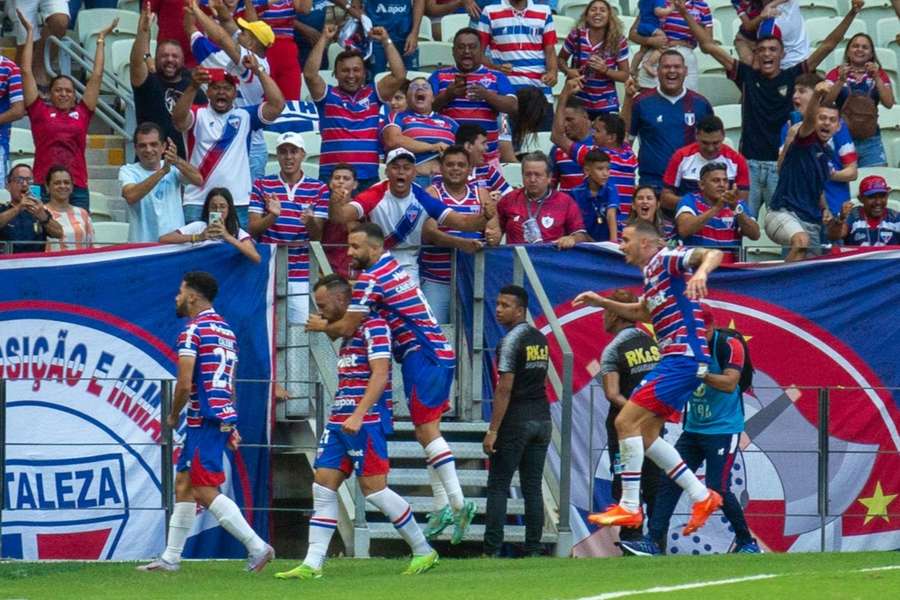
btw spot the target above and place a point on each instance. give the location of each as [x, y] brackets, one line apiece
[260, 30]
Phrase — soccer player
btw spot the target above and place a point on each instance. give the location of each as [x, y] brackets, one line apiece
[671, 301]
[425, 357]
[207, 362]
[354, 438]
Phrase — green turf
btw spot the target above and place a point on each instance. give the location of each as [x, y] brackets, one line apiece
[816, 576]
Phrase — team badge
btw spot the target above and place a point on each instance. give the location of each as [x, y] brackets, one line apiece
[783, 90]
[546, 221]
[689, 119]
[234, 121]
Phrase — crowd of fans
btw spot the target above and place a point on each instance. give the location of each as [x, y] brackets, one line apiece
[223, 71]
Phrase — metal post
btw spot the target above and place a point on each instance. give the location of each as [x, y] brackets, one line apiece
[320, 409]
[477, 333]
[823, 464]
[360, 526]
[591, 469]
[167, 450]
[2, 454]
[565, 540]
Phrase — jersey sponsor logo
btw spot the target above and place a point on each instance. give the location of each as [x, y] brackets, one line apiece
[782, 90]
[641, 356]
[391, 10]
[536, 352]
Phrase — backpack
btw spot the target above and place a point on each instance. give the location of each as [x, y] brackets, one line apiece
[860, 113]
[721, 349]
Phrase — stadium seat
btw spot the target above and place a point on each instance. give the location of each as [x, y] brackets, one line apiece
[811, 9]
[875, 11]
[425, 30]
[892, 176]
[888, 62]
[434, 55]
[91, 22]
[718, 34]
[818, 29]
[450, 24]
[539, 141]
[886, 31]
[328, 76]
[575, 8]
[130, 5]
[311, 169]
[333, 51]
[272, 167]
[4, 196]
[108, 233]
[120, 58]
[21, 144]
[563, 26]
[731, 118]
[723, 12]
[99, 205]
[512, 173]
[627, 22]
[313, 142]
[892, 149]
[718, 91]
[410, 75]
[707, 64]
[889, 122]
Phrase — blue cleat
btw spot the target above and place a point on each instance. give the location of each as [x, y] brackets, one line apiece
[642, 547]
[750, 547]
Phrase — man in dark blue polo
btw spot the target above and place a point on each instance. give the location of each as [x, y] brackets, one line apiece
[24, 222]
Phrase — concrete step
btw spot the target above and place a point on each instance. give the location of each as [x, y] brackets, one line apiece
[511, 533]
[467, 477]
[423, 504]
[461, 450]
[104, 171]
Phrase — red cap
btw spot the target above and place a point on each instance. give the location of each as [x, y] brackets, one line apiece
[217, 74]
[872, 185]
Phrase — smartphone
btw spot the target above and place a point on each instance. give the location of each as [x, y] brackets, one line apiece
[215, 216]
[34, 190]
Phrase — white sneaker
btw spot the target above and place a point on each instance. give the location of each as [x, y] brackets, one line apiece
[259, 561]
[159, 565]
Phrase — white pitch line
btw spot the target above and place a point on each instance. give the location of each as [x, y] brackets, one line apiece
[869, 570]
[684, 586]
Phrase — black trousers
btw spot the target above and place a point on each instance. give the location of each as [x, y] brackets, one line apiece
[521, 446]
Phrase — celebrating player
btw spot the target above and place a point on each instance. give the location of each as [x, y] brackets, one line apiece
[425, 356]
[354, 439]
[207, 362]
[671, 301]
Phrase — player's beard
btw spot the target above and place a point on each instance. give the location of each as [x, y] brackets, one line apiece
[181, 310]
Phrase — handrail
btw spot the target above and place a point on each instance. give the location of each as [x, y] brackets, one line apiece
[564, 541]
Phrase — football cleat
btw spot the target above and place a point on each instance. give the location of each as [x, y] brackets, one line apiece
[618, 515]
[303, 571]
[258, 562]
[438, 521]
[462, 520]
[159, 565]
[642, 547]
[750, 547]
[701, 511]
[420, 564]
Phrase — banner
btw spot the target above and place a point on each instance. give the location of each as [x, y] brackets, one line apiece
[831, 322]
[85, 339]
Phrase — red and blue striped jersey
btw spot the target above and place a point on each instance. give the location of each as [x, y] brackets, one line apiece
[682, 176]
[518, 38]
[370, 341]
[209, 339]
[279, 15]
[463, 110]
[676, 28]
[288, 228]
[486, 176]
[10, 93]
[386, 289]
[677, 320]
[430, 129]
[721, 231]
[435, 262]
[567, 173]
[622, 167]
[349, 126]
[598, 91]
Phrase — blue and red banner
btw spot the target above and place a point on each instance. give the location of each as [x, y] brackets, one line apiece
[85, 340]
[831, 322]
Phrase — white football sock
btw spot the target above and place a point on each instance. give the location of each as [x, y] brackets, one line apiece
[439, 494]
[667, 458]
[322, 524]
[631, 455]
[230, 518]
[440, 458]
[180, 524]
[400, 513]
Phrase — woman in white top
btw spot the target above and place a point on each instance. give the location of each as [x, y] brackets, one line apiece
[223, 226]
[78, 231]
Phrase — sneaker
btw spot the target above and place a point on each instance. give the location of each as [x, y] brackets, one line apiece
[438, 521]
[642, 547]
[258, 562]
[462, 520]
[159, 565]
[617, 515]
[420, 564]
[701, 512]
[750, 547]
[303, 571]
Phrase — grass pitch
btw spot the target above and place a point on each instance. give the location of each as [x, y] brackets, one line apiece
[794, 576]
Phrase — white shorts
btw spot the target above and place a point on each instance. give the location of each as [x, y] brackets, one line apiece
[782, 225]
[298, 302]
[31, 9]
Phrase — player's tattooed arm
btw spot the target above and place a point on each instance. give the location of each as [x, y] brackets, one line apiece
[185, 378]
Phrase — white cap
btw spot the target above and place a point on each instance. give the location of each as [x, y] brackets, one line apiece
[399, 153]
[290, 137]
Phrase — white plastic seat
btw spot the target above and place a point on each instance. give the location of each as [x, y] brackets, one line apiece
[129, 5]
[575, 8]
[875, 11]
[811, 9]
[817, 29]
[99, 205]
[450, 24]
[107, 233]
[512, 173]
[425, 29]
[21, 144]
[886, 31]
[731, 119]
[563, 25]
[435, 55]
[719, 92]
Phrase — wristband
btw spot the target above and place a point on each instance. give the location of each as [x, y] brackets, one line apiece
[491, 432]
[388, 42]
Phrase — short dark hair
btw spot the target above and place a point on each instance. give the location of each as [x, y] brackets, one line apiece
[466, 31]
[148, 127]
[710, 124]
[615, 126]
[53, 171]
[809, 80]
[576, 104]
[347, 55]
[537, 156]
[333, 282]
[623, 295]
[343, 167]
[516, 291]
[596, 155]
[454, 149]
[642, 227]
[373, 231]
[672, 52]
[713, 166]
[9, 175]
[203, 283]
[469, 132]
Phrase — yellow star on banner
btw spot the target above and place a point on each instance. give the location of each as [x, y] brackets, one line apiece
[877, 504]
[731, 326]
